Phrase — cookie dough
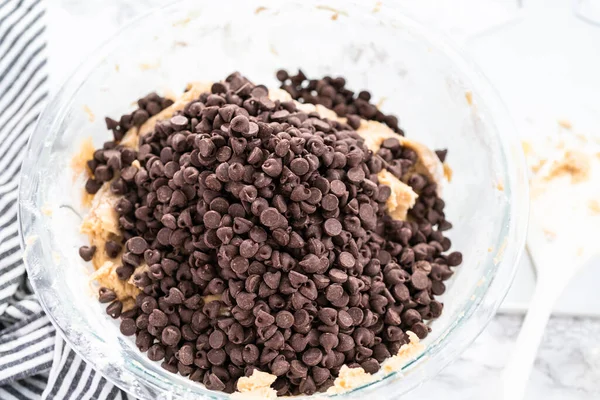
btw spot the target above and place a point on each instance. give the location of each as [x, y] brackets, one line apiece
[101, 224]
[256, 386]
[193, 91]
[374, 133]
[126, 291]
[352, 378]
[401, 200]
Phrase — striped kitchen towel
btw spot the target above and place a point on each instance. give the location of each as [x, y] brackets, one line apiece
[35, 362]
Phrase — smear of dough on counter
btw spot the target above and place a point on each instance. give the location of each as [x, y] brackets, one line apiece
[563, 123]
[564, 176]
[574, 163]
[566, 159]
[256, 386]
[401, 200]
[101, 223]
[594, 206]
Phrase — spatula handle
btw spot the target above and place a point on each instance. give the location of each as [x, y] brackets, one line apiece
[517, 370]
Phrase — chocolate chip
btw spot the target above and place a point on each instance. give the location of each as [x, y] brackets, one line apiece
[245, 300]
[346, 260]
[158, 318]
[112, 248]
[436, 308]
[143, 341]
[284, 319]
[156, 352]
[217, 339]
[332, 227]
[454, 259]
[270, 217]
[92, 186]
[344, 319]
[442, 154]
[87, 252]
[103, 173]
[240, 265]
[411, 317]
[312, 357]
[272, 167]
[420, 329]
[171, 335]
[298, 369]
[334, 292]
[299, 166]
[250, 354]
[272, 279]
[128, 327]
[137, 245]
[114, 309]
[310, 263]
[356, 175]
[328, 316]
[280, 366]
[106, 295]
[282, 76]
[125, 271]
[419, 280]
[240, 124]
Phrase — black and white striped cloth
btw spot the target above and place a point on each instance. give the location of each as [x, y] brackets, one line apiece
[35, 362]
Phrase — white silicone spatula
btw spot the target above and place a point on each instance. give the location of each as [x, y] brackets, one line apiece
[561, 239]
[556, 267]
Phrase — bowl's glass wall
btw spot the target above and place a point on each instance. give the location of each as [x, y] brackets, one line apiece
[439, 99]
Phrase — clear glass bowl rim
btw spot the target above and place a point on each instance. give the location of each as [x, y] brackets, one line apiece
[439, 354]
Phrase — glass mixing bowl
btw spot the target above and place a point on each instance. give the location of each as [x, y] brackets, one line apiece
[436, 92]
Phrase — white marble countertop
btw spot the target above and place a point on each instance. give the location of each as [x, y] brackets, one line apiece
[568, 364]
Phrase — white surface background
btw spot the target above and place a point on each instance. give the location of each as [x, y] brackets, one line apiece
[545, 63]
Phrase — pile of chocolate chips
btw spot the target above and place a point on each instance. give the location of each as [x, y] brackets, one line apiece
[268, 244]
[148, 106]
[333, 94]
[109, 160]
